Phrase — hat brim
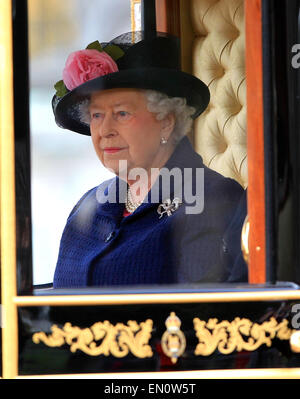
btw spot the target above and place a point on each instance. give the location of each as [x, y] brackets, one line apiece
[174, 83]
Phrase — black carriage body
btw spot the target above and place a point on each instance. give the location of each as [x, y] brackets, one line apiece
[201, 330]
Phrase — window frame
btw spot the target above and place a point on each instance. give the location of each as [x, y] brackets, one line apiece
[12, 300]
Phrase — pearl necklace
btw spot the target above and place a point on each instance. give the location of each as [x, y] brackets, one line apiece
[130, 205]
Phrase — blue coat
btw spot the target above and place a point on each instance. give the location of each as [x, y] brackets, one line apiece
[100, 247]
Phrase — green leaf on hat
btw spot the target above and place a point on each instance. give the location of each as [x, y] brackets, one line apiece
[61, 89]
[114, 51]
[95, 46]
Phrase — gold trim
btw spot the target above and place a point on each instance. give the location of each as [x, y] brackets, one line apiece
[133, 4]
[295, 341]
[118, 340]
[245, 239]
[238, 335]
[7, 190]
[173, 341]
[122, 299]
[273, 373]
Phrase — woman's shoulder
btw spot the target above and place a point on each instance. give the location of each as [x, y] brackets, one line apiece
[89, 199]
[220, 197]
[214, 182]
[217, 184]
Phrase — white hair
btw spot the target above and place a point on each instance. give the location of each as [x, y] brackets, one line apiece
[161, 105]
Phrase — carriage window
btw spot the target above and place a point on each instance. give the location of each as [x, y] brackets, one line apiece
[152, 108]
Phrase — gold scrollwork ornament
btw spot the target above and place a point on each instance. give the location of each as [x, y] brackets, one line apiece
[240, 334]
[173, 341]
[118, 340]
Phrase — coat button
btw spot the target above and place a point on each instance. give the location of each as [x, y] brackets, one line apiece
[224, 247]
[109, 237]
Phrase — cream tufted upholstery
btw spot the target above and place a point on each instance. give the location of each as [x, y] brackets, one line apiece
[218, 59]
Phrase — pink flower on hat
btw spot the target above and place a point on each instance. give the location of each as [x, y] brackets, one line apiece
[85, 65]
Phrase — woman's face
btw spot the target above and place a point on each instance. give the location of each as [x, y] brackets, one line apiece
[123, 129]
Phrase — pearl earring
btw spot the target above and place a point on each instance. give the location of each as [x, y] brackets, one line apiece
[163, 141]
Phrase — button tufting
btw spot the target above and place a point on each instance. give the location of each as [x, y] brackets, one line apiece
[219, 60]
[221, 72]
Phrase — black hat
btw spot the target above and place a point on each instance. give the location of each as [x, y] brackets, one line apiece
[146, 63]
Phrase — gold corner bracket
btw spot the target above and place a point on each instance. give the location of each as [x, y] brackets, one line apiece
[117, 341]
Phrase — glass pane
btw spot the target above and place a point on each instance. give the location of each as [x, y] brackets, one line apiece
[64, 164]
[202, 241]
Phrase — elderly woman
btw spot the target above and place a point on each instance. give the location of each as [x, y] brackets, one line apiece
[162, 218]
